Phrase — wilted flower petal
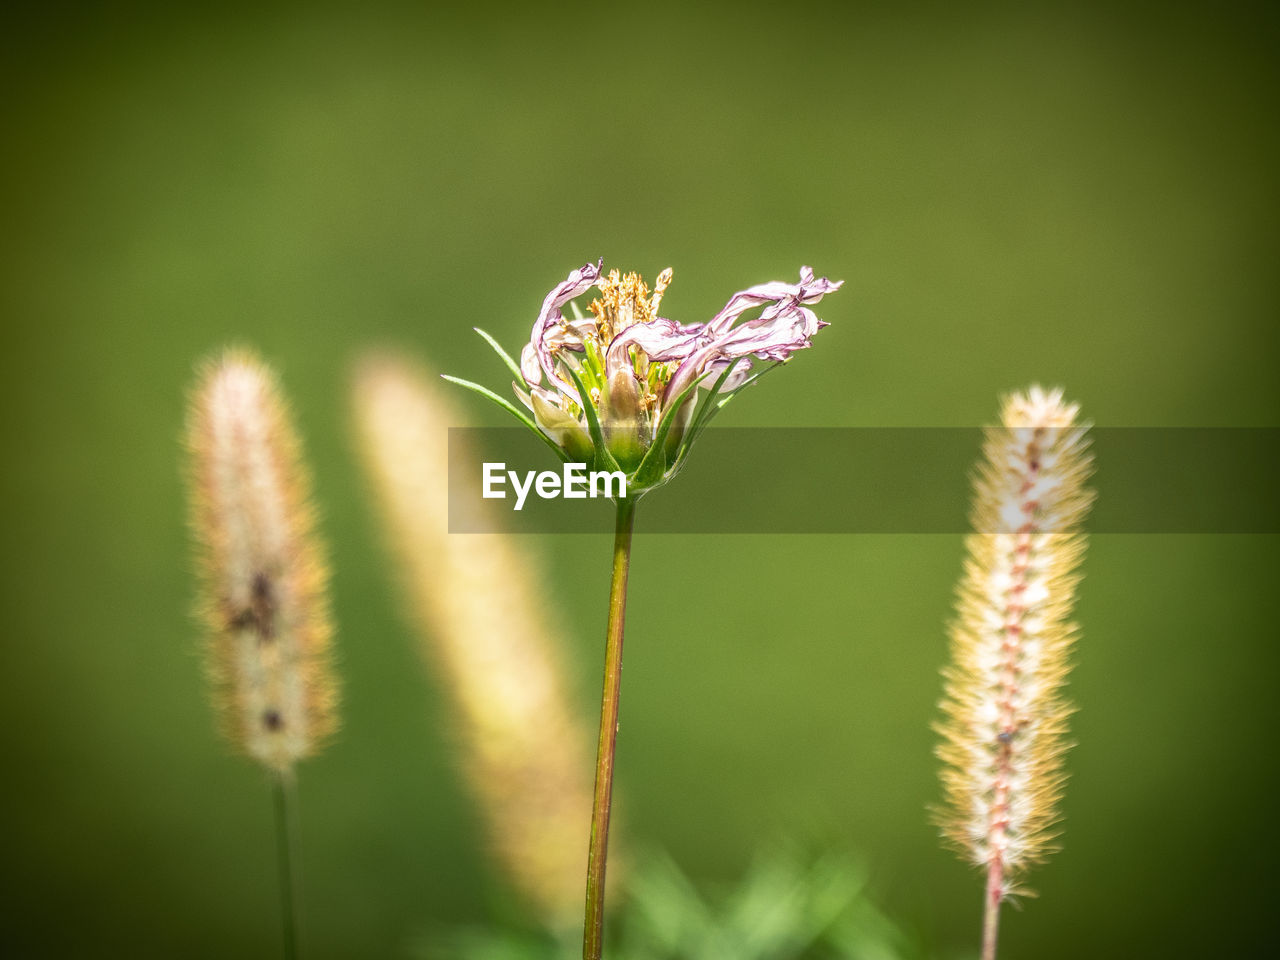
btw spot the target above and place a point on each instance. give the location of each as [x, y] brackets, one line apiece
[808, 290]
[782, 328]
[660, 341]
[740, 375]
[779, 331]
[550, 331]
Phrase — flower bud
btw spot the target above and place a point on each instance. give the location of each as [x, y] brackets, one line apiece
[626, 433]
[563, 429]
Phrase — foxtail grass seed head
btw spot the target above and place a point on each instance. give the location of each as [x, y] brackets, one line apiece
[485, 632]
[1004, 721]
[263, 579]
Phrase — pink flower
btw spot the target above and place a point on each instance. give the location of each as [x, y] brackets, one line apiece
[622, 385]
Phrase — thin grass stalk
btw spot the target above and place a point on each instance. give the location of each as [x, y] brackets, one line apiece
[282, 789]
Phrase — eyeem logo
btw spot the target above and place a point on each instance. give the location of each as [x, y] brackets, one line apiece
[573, 483]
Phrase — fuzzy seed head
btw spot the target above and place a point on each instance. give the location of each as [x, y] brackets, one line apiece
[477, 600]
[263, 580]
[1004, 721]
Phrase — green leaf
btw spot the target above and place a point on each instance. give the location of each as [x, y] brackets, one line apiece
[668, 917]
[511, 408]
[506, 357]
[604, 459]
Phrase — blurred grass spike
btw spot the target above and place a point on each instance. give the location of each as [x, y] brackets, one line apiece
[485, 631]
[263, 577]
[1004, 720]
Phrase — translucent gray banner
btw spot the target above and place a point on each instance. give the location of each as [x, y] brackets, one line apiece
[870, 480]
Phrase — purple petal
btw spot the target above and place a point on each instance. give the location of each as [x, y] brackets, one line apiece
[783, 327]
[550, 330]
[688, 371]
[660, 340]
[808, 290]
[778, 332]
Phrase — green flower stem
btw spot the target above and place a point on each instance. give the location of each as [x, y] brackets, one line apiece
[593, 934]
[287, 859]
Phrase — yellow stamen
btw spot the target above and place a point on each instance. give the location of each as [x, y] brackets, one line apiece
[659, 288]
[624, 300]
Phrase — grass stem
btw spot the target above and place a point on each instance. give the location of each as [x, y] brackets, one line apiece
[288, 862]
[991, 908]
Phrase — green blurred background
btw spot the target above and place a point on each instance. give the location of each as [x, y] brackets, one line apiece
[1084, 196]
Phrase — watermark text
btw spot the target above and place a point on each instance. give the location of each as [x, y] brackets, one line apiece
[574, 482]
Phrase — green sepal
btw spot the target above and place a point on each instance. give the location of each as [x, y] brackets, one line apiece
[511, 409]
[709, 408]
[712, 406]
[746, 383]
[604, 459]
[506, 357]
[654, 464]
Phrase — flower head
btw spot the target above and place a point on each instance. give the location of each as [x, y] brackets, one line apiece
[623, 387]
